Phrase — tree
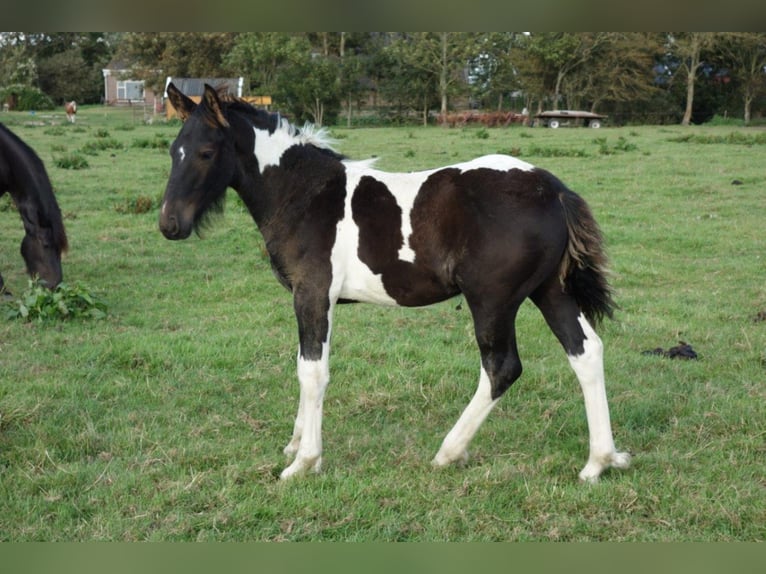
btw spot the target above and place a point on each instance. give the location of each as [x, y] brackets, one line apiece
[744, 53]
[351, 69]
[437, 58]
[569, 57]
[65, 65]
[65, 76]
[493, 74]
[620, 70]
[261, 56]
[310, 89]
[689, 47]
[17, 66]
[156, 55]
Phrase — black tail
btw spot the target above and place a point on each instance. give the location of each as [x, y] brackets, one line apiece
[583, 270]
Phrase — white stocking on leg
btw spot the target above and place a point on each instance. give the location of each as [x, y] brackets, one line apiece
[454, 448]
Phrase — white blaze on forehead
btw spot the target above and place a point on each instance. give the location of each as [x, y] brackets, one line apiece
[181, 153]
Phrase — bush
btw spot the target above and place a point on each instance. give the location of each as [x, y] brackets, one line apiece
[26, 98]
[717, 120]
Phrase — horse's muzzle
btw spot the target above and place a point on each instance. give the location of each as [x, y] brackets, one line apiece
[171, 229]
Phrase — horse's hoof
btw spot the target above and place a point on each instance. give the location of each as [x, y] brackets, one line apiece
[441, 460]
[300, 467]
[592, 471]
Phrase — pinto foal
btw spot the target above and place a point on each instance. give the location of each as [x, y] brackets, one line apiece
[496, 229]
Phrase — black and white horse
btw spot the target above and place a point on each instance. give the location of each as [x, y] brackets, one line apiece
[495, 229]
[23, 176]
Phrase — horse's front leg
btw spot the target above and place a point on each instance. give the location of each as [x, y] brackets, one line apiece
[292, 447]
[314, 327]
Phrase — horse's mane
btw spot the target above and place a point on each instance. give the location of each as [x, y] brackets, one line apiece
[309, 134]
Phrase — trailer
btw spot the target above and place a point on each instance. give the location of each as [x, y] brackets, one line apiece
[559, 118]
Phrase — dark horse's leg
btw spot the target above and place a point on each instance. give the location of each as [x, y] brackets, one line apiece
[585, 352]
[500, 367]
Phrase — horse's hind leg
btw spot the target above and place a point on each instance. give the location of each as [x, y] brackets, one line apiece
[585, 352]
[454, 448]
[500, 367]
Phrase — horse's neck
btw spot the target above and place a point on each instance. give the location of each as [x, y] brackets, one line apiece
[280, 197]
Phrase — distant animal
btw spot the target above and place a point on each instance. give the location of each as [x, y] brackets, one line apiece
[496, 229]
[71, 110]
[23, 176]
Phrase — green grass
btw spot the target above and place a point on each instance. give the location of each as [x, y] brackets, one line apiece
[165, 420]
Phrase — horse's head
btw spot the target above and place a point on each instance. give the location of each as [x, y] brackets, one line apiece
[42, 253]
[204, 163]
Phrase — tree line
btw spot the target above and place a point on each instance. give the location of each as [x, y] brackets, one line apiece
[332, 77]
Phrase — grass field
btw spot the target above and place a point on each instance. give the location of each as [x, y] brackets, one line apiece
[166, 419]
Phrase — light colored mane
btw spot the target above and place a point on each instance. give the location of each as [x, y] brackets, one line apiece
[308, 134]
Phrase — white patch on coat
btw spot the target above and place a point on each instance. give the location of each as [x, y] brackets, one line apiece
[270, 147]
[494, 161]
[454, 448]
[181, 154]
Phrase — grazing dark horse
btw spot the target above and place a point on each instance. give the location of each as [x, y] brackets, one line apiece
[495, 229]
[71, 110]
[23, 175]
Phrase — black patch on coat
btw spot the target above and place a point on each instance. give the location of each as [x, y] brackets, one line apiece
[300, 234]
[379, 219]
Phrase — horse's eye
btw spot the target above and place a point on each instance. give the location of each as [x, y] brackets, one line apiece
[206, 154]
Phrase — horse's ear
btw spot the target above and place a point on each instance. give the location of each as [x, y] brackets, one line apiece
[213, 104]
[183, 106]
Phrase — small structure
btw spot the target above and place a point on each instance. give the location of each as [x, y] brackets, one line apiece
[559, 118]
[121, 88]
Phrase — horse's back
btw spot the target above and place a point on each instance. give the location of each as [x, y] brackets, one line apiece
[408, 238]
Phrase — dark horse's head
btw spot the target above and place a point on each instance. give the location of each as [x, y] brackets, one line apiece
[41, 250]
[23, 175]
[204, 163]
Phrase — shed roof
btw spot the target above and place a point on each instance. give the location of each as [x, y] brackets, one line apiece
[196, 86]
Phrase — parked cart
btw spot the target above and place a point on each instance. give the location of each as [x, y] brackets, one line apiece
[560, 118]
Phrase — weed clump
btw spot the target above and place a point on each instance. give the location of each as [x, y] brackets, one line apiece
[38, 303]
[159, 142]
[137, 205]
[74, 160]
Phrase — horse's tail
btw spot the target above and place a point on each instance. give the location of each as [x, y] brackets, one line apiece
[583, 270]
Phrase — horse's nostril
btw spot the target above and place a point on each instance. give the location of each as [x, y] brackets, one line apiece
[169, 225]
